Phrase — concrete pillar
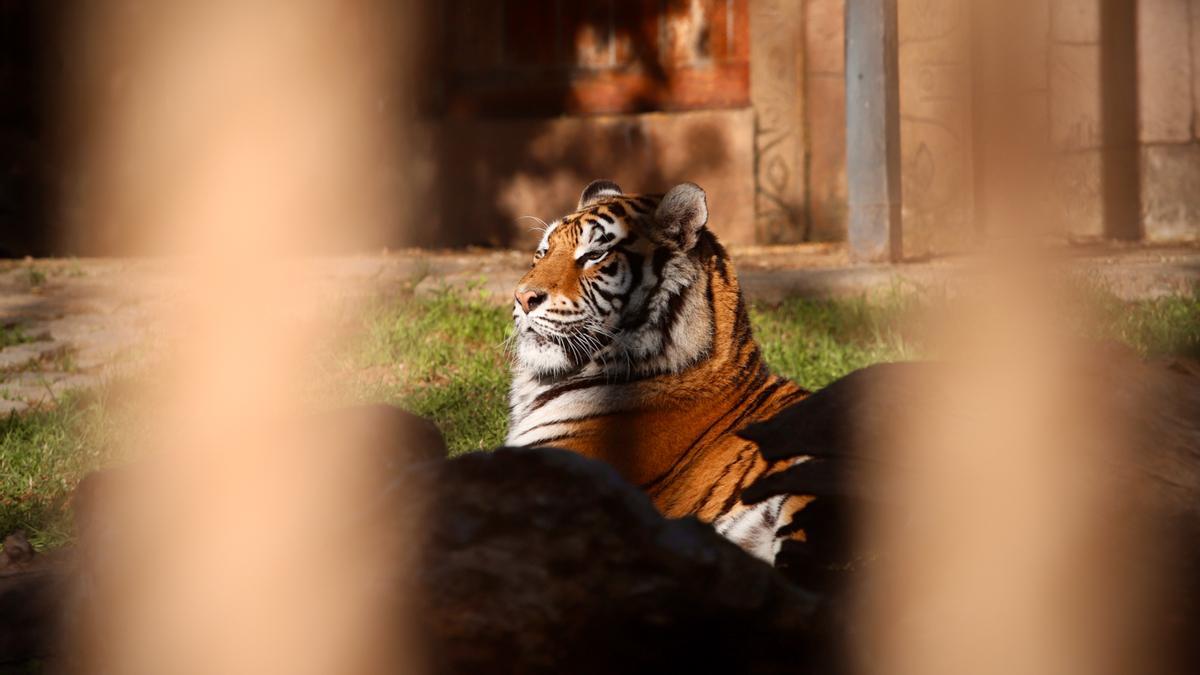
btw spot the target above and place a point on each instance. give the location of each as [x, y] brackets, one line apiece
[872, 130]
[1167, 31]
[1093, 117]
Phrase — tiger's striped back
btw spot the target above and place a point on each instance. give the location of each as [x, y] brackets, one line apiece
[635, 347]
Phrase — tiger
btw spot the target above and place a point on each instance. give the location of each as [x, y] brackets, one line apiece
[633, 345]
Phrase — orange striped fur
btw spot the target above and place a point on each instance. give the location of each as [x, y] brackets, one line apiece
[633, 345]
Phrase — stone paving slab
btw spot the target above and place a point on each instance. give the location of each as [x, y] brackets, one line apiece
[70, 324]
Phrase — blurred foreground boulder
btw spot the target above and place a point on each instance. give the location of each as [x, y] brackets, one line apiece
[513, 561]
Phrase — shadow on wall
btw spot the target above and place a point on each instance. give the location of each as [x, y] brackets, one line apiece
[26, 147]
[491, 172]
[509, 137]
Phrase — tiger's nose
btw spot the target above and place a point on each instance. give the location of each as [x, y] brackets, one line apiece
[529, 299]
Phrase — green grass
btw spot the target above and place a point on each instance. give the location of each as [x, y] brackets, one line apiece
[13, 335]
[43, 454]
[1158, 328]
[441, 356]
[815, 342]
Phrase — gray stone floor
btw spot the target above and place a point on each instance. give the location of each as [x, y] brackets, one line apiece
[68, 324]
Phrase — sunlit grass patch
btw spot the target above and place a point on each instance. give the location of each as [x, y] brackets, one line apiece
[814, 342]
[43, 454]
[441, 356]
[1167, 326]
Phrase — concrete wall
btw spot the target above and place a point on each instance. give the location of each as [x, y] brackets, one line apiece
[772, 158]
[936, 140]
[1070, 78]
[777, 75]
[825, 117]
[1075, 115]
[1168, 126]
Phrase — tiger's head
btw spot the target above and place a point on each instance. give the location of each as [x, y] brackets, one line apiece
[620, 286]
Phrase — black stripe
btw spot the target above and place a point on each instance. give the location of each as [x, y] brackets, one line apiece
[636, 260]
[712, 313]
[661, 256]
[722, 268]
[742, 330]
[567, 420]
[554, 392]
[736, 494]
[667, 323]
[687, 454]
[542, 442]
[752, 366]
[763, 395]
[556, 322]
[711, 240]
[653, 482]
[768, 518]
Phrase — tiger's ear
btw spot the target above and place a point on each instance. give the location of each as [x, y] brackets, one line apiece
[597, 190]
[681, 214]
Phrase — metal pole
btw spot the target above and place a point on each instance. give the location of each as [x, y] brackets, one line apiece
[873, 130]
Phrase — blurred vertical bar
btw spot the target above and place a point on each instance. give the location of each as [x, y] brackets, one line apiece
[239, 140]
[873, 130]
[1009, 119]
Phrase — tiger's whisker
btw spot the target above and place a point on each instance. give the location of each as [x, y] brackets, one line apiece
[543, 228]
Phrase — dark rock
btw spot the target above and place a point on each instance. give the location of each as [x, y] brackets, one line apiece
[575, 571]
[17, 549]
[850, 430]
